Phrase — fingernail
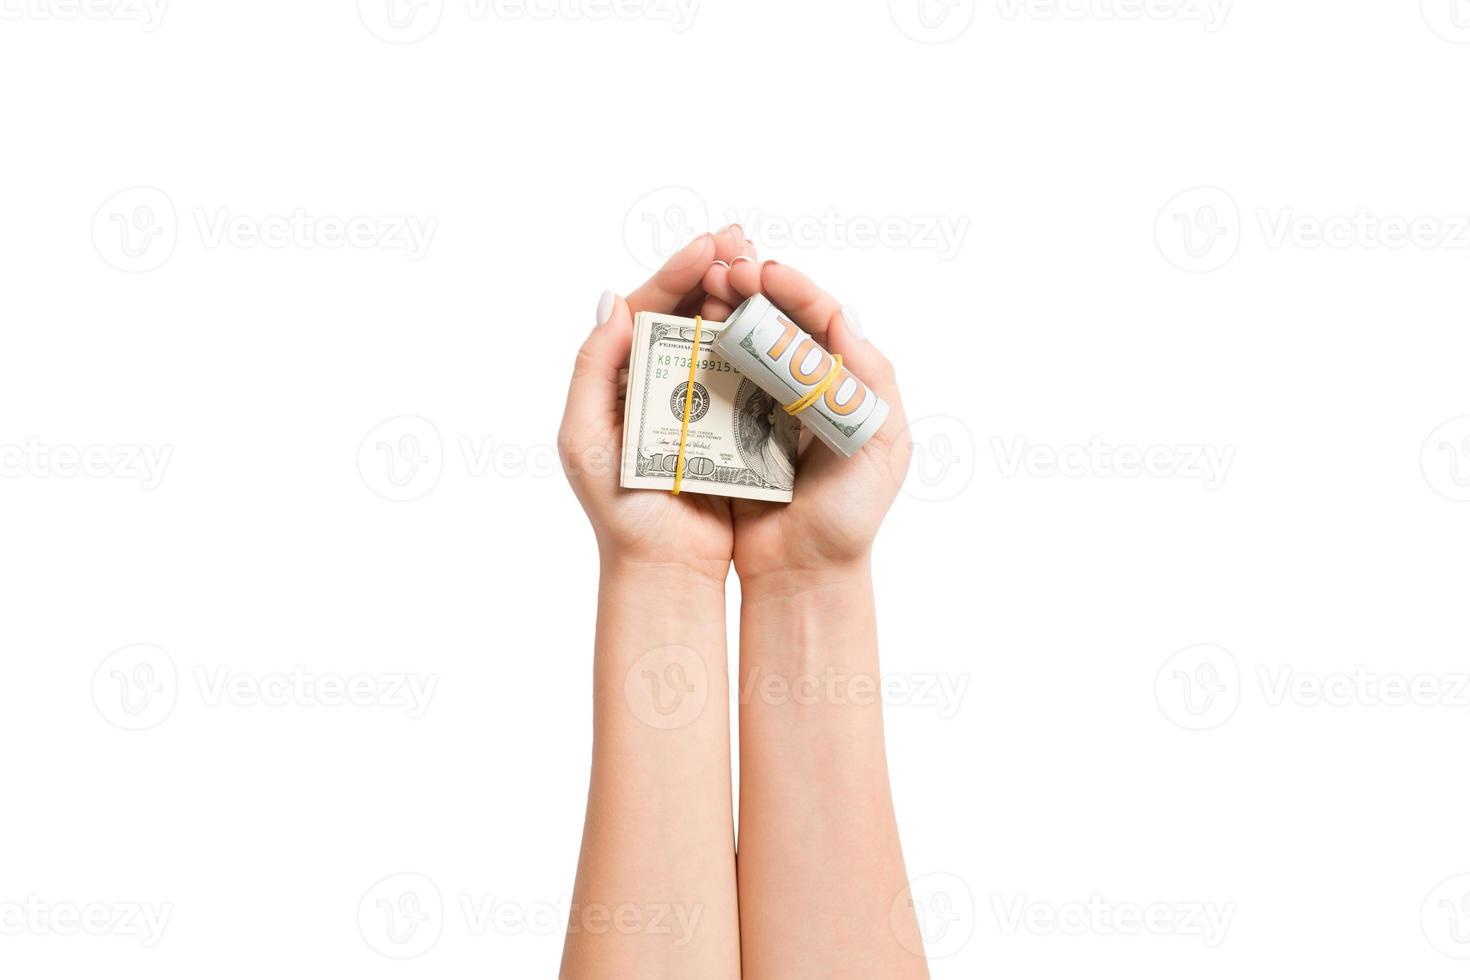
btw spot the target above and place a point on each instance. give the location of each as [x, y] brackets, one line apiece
[605, 306]
[854, 323]
[722, 262]
[736, 227]
[741, 258]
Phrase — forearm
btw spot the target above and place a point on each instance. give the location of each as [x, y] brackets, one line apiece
[655, 892]
[820, 862]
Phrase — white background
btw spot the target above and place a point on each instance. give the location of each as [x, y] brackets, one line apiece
[1137, 191]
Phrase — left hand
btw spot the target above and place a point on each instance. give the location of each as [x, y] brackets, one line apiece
[638, 526]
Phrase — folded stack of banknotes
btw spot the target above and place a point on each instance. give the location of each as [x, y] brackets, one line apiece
[751, 373]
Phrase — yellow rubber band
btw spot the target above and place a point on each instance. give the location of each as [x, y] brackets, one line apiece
[810, 398]
[688, 404]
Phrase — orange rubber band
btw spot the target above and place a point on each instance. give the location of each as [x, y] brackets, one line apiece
[810, 398]
[688, 404]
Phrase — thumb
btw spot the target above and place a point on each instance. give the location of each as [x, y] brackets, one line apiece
[592, 397]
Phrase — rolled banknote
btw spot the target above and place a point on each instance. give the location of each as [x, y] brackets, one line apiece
[740, 443]
[767, 347]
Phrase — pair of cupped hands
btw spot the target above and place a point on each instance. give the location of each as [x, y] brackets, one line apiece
[839, 503]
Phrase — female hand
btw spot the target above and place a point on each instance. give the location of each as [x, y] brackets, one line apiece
[639, 526]
[839, 503]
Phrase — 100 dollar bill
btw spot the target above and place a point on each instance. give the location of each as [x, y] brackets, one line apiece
[782, 358]
[740, 442]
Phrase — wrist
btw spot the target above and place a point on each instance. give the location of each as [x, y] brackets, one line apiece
[685, 576]
[814, 583]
